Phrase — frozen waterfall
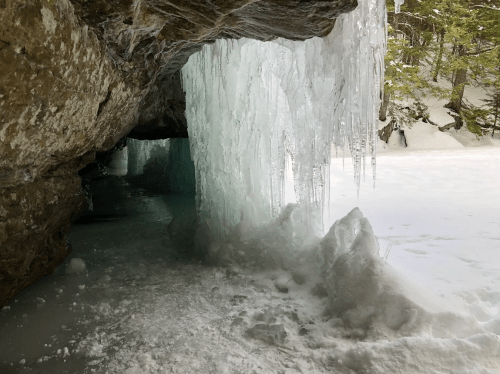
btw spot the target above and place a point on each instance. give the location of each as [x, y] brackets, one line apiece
[257, 109]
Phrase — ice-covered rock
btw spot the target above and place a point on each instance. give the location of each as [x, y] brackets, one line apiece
[76, 266]
[272, 334]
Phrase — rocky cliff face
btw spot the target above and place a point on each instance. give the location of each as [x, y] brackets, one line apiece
[76, 76]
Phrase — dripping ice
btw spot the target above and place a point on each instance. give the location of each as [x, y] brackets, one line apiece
[258, 110]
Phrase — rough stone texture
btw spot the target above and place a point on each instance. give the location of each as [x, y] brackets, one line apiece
[34, 221]
[76, 76]
[385, 133]
[162, 110]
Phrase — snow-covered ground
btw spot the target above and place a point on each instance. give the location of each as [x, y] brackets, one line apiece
[424, 136]
[437, 213]
[145, 305]
[427, 136]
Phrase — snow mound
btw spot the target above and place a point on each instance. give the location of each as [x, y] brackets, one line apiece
[76, 266]
[426, 136]
[368, 294]
[468, 139]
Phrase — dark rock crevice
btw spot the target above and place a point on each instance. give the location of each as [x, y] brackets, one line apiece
[103, 103]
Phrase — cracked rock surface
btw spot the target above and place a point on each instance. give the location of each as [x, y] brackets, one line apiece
[76, 76]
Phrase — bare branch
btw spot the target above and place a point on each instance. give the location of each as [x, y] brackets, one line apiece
[485, 7]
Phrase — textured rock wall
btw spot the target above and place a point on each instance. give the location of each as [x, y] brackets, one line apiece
[60, 98]
[76, 76]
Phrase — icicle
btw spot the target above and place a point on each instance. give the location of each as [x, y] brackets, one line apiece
[252, 104]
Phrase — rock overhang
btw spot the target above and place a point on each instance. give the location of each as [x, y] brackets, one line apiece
[76, 76]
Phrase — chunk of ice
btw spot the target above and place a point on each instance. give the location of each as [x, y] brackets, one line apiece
[76, 266]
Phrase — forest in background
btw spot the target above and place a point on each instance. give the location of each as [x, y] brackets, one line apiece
[437, 48]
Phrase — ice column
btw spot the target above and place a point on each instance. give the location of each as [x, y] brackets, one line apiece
[252, 105]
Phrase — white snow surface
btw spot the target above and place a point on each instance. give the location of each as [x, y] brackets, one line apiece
[443, 211]
[426, 136]
[468, 139]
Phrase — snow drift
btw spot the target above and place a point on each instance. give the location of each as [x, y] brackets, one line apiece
[368, 294]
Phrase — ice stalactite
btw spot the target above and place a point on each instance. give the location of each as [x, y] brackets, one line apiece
[252, 105]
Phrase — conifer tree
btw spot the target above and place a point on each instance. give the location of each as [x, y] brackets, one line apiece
[455, 39]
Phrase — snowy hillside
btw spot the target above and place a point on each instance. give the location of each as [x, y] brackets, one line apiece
[422, 135]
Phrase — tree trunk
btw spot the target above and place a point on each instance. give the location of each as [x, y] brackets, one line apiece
[458, 89]
[439, 58]
[458, 85]
[496, 115]
[382, 114]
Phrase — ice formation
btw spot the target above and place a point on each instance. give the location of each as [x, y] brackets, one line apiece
[142, 152]
[166, 163]
[119, 162]
[252, 105]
